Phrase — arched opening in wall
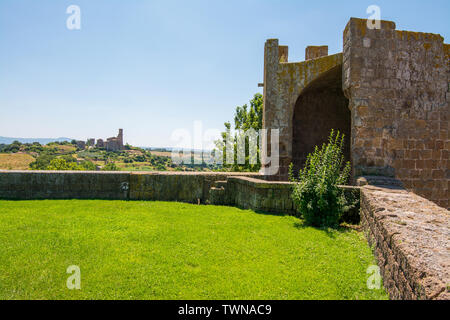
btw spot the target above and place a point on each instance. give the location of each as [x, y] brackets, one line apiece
[320, 107]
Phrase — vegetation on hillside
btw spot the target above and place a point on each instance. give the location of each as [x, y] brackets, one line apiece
[15, 161]
[67, 156]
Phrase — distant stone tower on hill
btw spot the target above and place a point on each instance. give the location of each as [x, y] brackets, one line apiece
[115, 143]
[120, 137]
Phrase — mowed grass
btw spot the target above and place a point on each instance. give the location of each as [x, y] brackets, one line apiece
[157, 250]
[15, 161]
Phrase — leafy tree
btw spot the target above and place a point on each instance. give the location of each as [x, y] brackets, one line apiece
[316, 191]
[88, 165]
[61, 164]
[246, 117]
[33, 147]
[42, 162]
[68, 158]
[12, 148]
[140, 158]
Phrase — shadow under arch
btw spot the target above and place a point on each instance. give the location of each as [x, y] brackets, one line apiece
[320, 107]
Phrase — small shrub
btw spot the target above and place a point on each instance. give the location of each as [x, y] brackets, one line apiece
[316, 192]
[88, 165]
[111, 167]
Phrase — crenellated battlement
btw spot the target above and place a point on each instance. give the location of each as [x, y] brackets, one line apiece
[388, 92]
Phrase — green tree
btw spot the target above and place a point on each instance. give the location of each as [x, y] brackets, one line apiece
[250, 117]
[61, 164]
[12, 148]
[68, 158]
[246, 117]
[88, 165]
[42, 162]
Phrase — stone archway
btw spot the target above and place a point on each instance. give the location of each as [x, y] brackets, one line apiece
[320, 107]
[284, 82]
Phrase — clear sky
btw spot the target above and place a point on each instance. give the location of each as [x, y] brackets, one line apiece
[151, 67]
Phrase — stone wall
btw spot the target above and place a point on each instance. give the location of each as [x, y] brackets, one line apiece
[397, 84]
[275, 197]
[244, 190]
[410, 237]
[183, 187]
[260, 195]
[24, 185]
[319, 109]
[314, 52]
[283, 83]
[164, 186]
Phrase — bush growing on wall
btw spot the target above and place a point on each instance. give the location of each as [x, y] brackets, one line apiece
[316, 192]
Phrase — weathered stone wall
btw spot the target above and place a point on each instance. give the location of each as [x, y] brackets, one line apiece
[183, 187]
[260, 195]
[410, 237]
[275, 197]
[314, 52]
[319, 109]
[23, 185]
[397, 84]
[245, 190]
[283, 83]
[170, 186]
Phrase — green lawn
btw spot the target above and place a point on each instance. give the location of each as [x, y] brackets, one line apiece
[157, 250]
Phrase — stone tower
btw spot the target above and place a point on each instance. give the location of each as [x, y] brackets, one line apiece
[388, 92]
[120, 138]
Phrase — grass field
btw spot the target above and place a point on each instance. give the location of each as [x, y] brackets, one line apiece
[156, 250]
[15, 161]
[65, 149]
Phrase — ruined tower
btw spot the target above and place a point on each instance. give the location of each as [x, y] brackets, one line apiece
[388, 92]
[120, 138]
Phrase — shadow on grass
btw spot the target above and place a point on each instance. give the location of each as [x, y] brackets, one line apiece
[268, 213]
[301, 224]
[330, 232]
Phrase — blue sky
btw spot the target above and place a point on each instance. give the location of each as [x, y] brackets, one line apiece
[151, 67]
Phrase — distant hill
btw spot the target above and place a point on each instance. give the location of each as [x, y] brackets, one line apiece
[8, 140]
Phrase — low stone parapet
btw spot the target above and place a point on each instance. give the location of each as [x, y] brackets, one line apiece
[257, 194]
[30, 185]
[275, 196]
[190, 187]
[411, 240]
